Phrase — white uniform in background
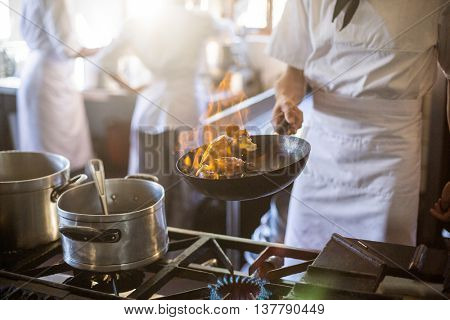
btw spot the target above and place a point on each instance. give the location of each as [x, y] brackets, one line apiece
[51, 115]
[171, 44]
[362, 178]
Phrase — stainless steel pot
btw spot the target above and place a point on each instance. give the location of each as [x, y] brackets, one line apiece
[29, 185]
[133, 234]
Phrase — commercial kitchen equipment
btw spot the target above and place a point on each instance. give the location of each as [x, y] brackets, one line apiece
[30, 183]
[196, 265]
[132, 235]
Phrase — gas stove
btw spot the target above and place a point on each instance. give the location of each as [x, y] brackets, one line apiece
[197, 267]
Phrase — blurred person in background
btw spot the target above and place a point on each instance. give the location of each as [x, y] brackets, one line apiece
[51, 115]
[368, 80]
[171, 44]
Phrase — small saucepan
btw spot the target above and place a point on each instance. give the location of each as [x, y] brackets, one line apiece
[133, 234]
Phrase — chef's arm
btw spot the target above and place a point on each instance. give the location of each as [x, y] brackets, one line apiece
[122, 45]
[124, 84]
[289, 91]
[109, 57]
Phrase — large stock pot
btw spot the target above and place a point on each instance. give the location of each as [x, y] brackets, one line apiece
[29, 185]
[133, 234]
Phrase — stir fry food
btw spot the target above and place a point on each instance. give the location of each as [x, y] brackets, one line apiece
[224, 157]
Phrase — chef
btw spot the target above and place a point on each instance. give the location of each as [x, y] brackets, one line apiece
[51, 115]
[368, 80]
[171, 44]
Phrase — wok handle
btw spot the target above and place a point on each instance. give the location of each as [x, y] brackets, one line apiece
[88, 234]
[143, 176]
[73, 182]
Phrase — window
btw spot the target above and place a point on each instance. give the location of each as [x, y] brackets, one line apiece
[5, 21]
[258, 16]
[252, 16]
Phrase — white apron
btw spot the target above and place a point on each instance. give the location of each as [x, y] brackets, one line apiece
[362, 177]
[51, 114]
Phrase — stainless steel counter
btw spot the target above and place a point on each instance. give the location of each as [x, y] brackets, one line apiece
[9, 86]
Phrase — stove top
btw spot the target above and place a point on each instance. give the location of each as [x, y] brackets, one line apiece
[195, 263]
[197, 267]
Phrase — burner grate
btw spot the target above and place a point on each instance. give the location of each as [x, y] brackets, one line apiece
[111, 283]
[17, 293]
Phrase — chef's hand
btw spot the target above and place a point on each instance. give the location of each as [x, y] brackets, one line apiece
[88, 52]
[289, 90]
[286, 117]
[439, 213]
[441, 209]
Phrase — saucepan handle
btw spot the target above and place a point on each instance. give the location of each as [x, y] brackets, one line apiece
[143, 176]
[88, 234]
[73, 182]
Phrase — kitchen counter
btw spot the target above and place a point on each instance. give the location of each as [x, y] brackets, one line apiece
[108, 111]
[9, 86]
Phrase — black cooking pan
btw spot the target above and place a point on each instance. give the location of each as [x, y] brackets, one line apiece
[277, 161]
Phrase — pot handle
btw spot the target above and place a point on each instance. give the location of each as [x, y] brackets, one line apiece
[73, 182]
[143, 176]
[88, 234]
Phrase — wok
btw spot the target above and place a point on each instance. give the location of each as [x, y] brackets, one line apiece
[278, 160]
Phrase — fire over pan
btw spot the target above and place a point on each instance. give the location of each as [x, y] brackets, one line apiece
[278, 160]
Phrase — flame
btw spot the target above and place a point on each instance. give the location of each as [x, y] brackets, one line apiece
[197, 158]
[224, 96]
[216, 104]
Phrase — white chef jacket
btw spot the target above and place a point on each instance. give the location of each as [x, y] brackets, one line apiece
[46, 26]
[387, 51]
[51, 114]
[362, 178]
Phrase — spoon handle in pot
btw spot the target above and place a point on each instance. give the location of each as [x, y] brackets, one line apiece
[98, 174]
